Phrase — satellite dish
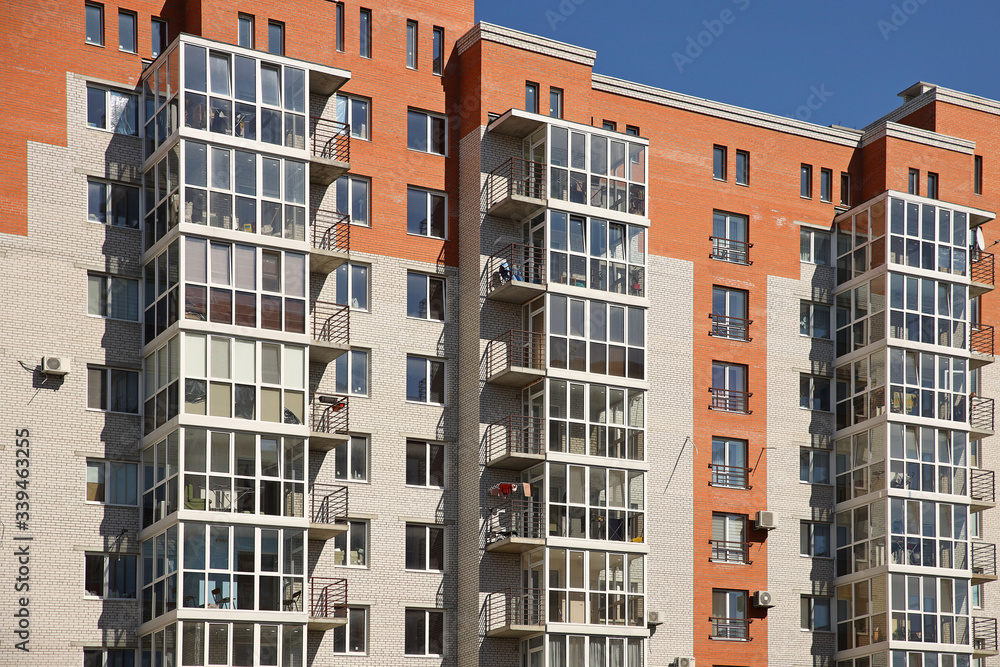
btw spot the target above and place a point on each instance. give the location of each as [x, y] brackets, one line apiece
[980, 240]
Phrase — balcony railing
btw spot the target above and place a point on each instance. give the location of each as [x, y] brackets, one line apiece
[730, 250]
[730, 628]
[329, 414]
[981, 267]
[514, 518]
[982, 487]
[331, 140]
[331, 230]
[730, 400]
[981, 413]
[515, 349]
[515, 178]
[329, 504]
[984, 635]
[327, 597]
[515, 607]
[516, 263]
[726, 326]
[331, 322]
[515, 435]
[730, 552]
[984, 560]
[981, 340]
[732, 476]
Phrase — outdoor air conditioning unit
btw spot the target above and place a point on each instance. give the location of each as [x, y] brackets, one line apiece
[766, 520]
[683, 662]
[55, 365]
[763, 599]
[654, 618]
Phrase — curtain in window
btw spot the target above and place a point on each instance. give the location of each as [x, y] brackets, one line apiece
[596, 652]
[557, 651]
[634, 653]
[616, 653]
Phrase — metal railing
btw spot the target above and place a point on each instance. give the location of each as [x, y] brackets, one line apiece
[515, 349]
[726, 326]
[331, 139]
[331, 322]
[730, 552]
[516, 177]
[515, 434]
[514, 518]
[981, 267]
[982, 486]
[981, 340]
[981, 413]
[984, 559]
[329, 414]
[730, 250]
[327, 597]
[984, 634]
[515, 606]
[517, 262]
[731, 476]
[730, 628]
[329, 503]
[730, 400]
[331, 230]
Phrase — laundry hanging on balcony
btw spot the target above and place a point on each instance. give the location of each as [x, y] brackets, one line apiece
[504, 489]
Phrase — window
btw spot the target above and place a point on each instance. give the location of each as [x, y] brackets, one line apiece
[424, 548]
[617, 171]
[113, 204]
[729, 463]
[426, 132]
[276, 38]
[424, 380]
[426, 213]
[814, 466]
[600, 414]
[729, 313]
[632, 130]
[914, 182]
[729, 387]
[597, 503]
[729, 538]
[719, 163]
[814, 246]
[977, 177]
[531, 97]
[159, 37]
[412, 30]
[112, 110]
[246, 30]
[95, 24]
[742, 168]
[352, 285]
[351, 371]
[977, 596]
[111, 657]
[350, 461]
[350, 548]
[814, 320]
[112, 482]
[355, 112]
[816, 614]
[438, 47]
[352, 638]
[805, 181]
[814, 393]
[365, 34]
[112, 390]
[597, 587]
[975, 524]
[340, 26]
[353, 199]
[424, 464]
[814, 539]
[555, 102]
[614, 252]
[110, 575]
[825, 185]
[609, 125]
[845, 189]
[729, 238]
[114, 297]
[424, 632]
[932, 185]
[605, 338]
[126, 31]
[729, 615]
[425, 296]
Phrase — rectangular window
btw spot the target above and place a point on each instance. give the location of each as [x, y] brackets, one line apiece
[159, 38]
[609, 125]
[729, 538]
[719, 163]
[977, 596]
[914, 182]
[354, 199]
[814, 539]
[555, 102]
[426, 213]
[814, 392]
[245, 37]
[340, 26]
[806, 181]
[438, 47]
[110, 575]
[816, 614]
[426, 132]
[826, 185]
[352, 285]
[356, 112]
[742, 168]
[729, 387]
[632, 130]
[424, 380]
[729, 313]
[932, 185]
[531, 97]
[112, 110]
[729, 238]
[351, 371]
[126, 31]
[114, 297]
[424, 632]
[814, 466]
[365, 33]
[113, 204]
[425, 296]
[352, 638]
[814, 246]
[977, 178]
[424, 548]
[112, 390]
[350, 548]
[350, 461]
[729, 463]
[975, 524]
[111, 657]
[276, 38]
[95, 24]
[424, 464]
[112, 482]
[845, 189]
[814, 320]
[729, 615]
[412, 31]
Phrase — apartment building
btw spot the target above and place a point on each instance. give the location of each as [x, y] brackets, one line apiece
[376, 335]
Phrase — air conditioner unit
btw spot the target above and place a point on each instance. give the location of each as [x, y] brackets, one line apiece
[763, 599]
[683, 662]
[654, 618]
[55, 365]
[766, 520]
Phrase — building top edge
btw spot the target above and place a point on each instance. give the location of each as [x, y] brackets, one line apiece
[917, 135]
[526, 41]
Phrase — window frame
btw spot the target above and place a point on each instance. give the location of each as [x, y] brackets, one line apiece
[812, 468]
[977, 174]
[110, 212]
[349, 364]
[826, 185]
[428, 458]
[632, 130]
[426, 640]
[106, 582]
[107, 287]
[427, 379]
[126, 14]
[427, 278]
[106, 389]
[556, 100]
[427, 555]
[805, 181]
[104, 656]
[346, 276]
[742, 176]
[720, 160]
[276, 29]
[249, 21]
[722, 325]
[339, 29]
[813, 254]
[412, 44]
[807, 539]
[365, 33]
[727, 479]
[132, 102]
[346, 456]
[807, 315]
[89, 8]
[813, 398]
[107, 484]
[346, 114]
[531, 89]
[346, 629]
[807, 616]
[350, 180]
[437, 51]
[913, 181]
[429, 131]
[429, 198]
[158, 28]
[726, 553]
[933, 182]
[609, 125]
[845, 189]
[347, 541]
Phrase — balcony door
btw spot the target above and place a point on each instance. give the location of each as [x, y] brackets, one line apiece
[729, 387]
[729, 313]
[729, 613]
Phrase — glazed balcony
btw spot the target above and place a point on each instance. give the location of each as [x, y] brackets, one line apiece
[980, 273]
[982, 489]
[730, 628]
[328, 513]
[515, 189]
[330, 150]
[515, 442]
[984, 637]
[733, 328]
[984, 562]
[515, 612]
[331, 241]
[516, 358]
[331, 331]
[730, 250]
[516, 274]
[981, 414]
[730, 400]
[515, 527]
[327, 603]
[329, 426]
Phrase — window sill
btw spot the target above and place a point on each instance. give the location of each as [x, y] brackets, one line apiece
[729, 486]
[94, 44]
[425, 571]
[432, 405]
[98, 502]
[355, 567]
[829, 484]
[743, 185]
[823, 412]
[417, 150]
[131, 53]
[425, 319]
[425, 236]
[719, 180]
[112, 319]
[802, 335]
[112, 412]
[425, 488]
[829, 558]
[352, 481]
[804, 197]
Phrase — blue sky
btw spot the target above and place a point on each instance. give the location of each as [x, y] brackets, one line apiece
[773, 55]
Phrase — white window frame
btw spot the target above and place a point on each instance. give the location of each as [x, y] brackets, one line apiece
[428, 131]
[412, 44]
[556, 95]
[811, 397]
[106, 578]
[428, 374]
[348, 458]
[807, 315]
[717, 153]
[427, 626]
[350, 281]
[813, 455]
[106, 399]
[807, 538]
[350, 357]
[742, 177]
[106, 287]
[426, 557]
[427, 448]
[135, 30]
[346, 114]
[427, 278]
[807, 615]
[346, 538]
[976, 596]
[249, 20]
[353, 614]
[100, 8]
[732, 525]
[108, 475]
[108, 106]
[429, 196]
[975, 524]
[826, 185]
[350, 180]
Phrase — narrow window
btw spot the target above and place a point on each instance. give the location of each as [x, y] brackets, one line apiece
[353, 199]
[845, 189]
[556, 102]
[438, 46]
[814, 466]
[365, 33]
[411, 44]
[158, 36]
[806, 181]
[246, 31]
[814, 539]
[814, 320]
[609, 125]
[112, 390]
[932, 185]
[95, 24]
[632, 130]
[531, 97]
[914, 182]
[816, 614]
[340, 27]
[276, 38]
[719, 163]
[825, 185]
[351, 371]
[977, 183]
[742, 168]
[126, 31]
[113, 297]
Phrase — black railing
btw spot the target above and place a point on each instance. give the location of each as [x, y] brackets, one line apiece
[731, 476]
[331, 140]
[516, 263]
[513, 435]
[981, 485]
[331, 230]
[515, 606]
[514, 518]
[515, 349]
[727, 326]
[329, 503]
[327, 597]
[730, 400]
[981, 340]
[516, 177]
[984, 559]
[730, 552]
[730, 250]
[331, 322]
[984, 634]
[329, 414]
[981, 267]
[730, 628]
[981, 413]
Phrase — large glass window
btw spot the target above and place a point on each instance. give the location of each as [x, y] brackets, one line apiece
[597, 337]
[112, 389]
[112, 482]
[615, 252]
[426, 132]
[352, 638]
[729, 463]
[161, 298]
[586, 651]
[112, 110]
[729, 542]
[425, 296]
[159, 479]
[729, 238]
[922, 458]
[597, 170]
[596, 503]
[113, 296]
[424, 547]
[596, 419]
[927, 385]
[424, 632]
[729, 615]
[860, 315]
[425, 463]
[110, 575]
[113, 204]
[425, 380]
[924, 310]
[159, 574]
[596, 587]
[860, 464]
[243, 644]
